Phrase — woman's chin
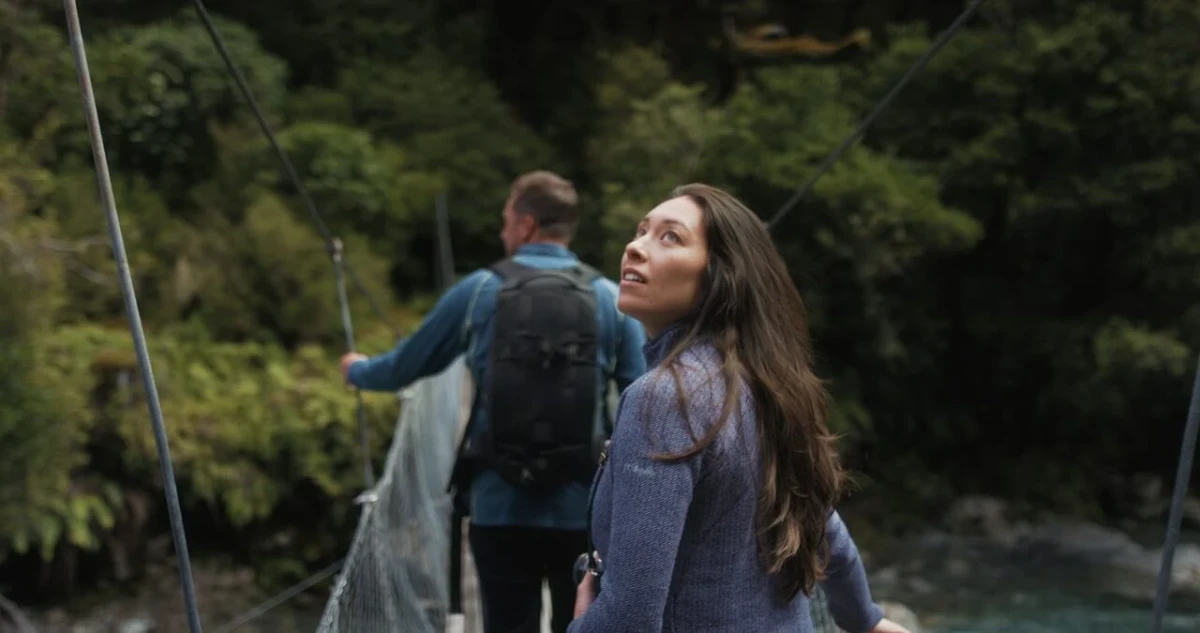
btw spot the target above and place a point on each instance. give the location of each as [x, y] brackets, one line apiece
[627, 305]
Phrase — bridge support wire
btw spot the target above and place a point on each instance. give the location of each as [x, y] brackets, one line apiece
[280, 598]
[341, 267]
[348, 328]
[284, 162]
[107, 200]
[1183, 474]
[867, 121]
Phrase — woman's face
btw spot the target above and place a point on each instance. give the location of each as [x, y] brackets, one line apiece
[663, 267]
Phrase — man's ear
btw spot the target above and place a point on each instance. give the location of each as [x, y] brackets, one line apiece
[528, 225]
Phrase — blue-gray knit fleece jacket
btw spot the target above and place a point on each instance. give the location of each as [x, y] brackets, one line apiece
[678, 538]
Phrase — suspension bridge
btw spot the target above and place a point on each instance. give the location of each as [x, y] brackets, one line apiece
[403, 573]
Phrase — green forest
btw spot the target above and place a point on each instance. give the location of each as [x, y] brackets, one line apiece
[1003, 275]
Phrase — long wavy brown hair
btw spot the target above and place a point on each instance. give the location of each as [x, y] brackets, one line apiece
[752, 312]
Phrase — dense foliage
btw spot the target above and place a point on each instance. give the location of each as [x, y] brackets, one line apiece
[1003, 276]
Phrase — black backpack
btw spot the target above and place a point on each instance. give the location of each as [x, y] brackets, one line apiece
[543, 376]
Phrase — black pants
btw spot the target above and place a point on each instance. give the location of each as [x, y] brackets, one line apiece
[512, 562]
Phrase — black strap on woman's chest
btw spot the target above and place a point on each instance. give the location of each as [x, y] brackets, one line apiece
[591, 545]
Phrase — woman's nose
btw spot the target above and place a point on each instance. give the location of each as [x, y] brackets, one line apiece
[634, 251]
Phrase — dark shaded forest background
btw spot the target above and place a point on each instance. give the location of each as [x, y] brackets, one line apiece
[1003, 276]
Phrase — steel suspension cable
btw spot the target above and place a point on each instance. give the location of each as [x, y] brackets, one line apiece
[281, 597]
[108, 201]
[869, 120]
[1183, 474]
[285, 162]
[341, 267]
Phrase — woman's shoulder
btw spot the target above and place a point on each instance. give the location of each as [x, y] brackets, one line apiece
[696, 371]
[679, 402]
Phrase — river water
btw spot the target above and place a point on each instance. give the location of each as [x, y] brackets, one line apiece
[1037, 607]
[1080, 618]
[1075, 621]
[957, 589]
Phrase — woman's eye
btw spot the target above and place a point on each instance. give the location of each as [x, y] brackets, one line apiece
[671, 236]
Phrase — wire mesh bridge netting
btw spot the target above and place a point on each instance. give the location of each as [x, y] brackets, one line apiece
[395, 577]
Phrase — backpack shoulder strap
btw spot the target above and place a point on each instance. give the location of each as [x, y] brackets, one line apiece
[618, 325]
[467, 333]
[590, 275]
[507, 268]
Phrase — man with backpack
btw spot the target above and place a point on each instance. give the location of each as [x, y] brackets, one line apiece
[543, 341]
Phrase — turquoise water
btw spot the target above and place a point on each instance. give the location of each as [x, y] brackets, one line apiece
[957, 585]
[1044, 609]
[1066, 620]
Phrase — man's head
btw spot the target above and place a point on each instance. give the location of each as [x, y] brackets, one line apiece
[541, 207]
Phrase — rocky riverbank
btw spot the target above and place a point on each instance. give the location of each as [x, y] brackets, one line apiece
[980, 555]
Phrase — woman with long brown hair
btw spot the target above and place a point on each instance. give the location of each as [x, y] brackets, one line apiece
[714, 508]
